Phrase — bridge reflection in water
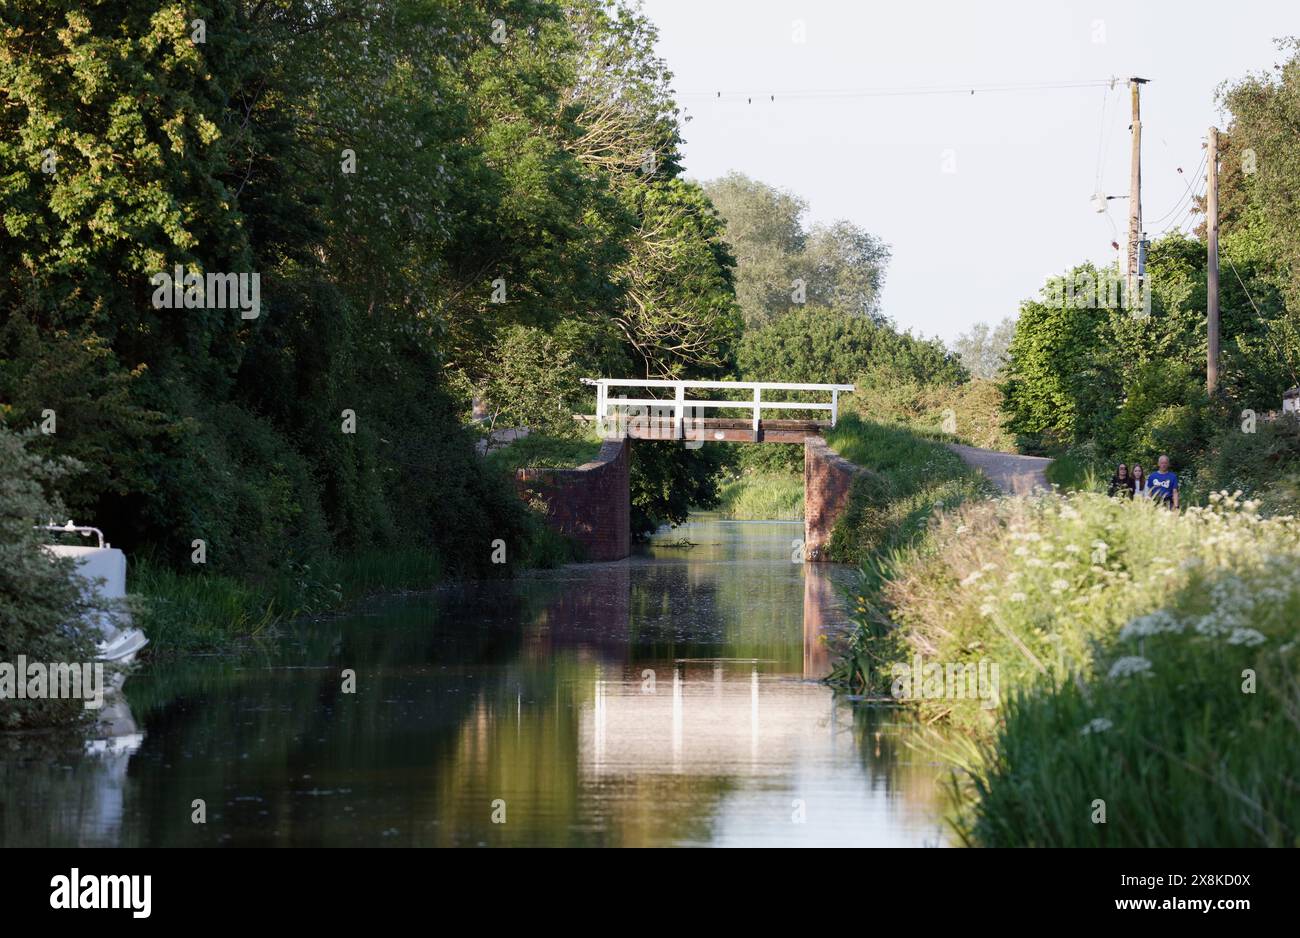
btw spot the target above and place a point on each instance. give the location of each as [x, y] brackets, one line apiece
[746, 739]
[668, 699]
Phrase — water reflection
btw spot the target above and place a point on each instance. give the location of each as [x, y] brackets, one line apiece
[668, 699]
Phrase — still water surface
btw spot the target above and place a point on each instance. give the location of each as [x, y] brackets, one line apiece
[668, 699]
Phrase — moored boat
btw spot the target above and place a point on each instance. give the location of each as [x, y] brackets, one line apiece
[103, 568]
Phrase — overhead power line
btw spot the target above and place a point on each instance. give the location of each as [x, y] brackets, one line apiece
[966, 89]
[1268, 327]
[1184, 201]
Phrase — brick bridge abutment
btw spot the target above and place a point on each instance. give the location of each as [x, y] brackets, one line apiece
[592, 503]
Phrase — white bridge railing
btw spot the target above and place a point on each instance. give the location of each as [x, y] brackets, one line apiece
[680, 403]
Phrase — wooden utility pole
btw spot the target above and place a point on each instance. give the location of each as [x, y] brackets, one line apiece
[1212, 262]
[1135, 191]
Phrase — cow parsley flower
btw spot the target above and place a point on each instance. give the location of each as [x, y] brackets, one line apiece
[1151, 624]
[1128, 666]
[1248, 637]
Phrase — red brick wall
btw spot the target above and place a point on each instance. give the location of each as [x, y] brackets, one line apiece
[591, 504]
[827, 478]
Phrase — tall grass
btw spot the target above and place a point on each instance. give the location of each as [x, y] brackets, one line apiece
[761, 496]
[192, 612]
[546, 452]
[1147, 662]
[907, 479]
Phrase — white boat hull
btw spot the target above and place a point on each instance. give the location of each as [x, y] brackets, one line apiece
[104, 572]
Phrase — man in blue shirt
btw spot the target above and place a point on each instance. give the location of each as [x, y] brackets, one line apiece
[1163, 485]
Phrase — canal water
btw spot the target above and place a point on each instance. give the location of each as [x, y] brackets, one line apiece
[672, 699]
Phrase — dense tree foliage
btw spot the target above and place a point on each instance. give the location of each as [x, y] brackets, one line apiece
[819, 345]
[1132, 383]
[1260, 185]
[416, 184]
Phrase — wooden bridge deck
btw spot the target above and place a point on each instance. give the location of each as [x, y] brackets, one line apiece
[722, 429]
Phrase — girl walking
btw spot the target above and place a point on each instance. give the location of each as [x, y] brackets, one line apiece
[1121, 483]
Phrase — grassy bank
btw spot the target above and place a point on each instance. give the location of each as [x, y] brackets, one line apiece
[544, 452]
[193, 612]
[908, 476]
[1146, 661]
[761, 496]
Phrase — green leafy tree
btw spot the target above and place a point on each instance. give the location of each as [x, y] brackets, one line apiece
[39, 595]
[983, 350]
[782, 266]
[766, 235]
[843, 268]
[680, 315]
[533, 382]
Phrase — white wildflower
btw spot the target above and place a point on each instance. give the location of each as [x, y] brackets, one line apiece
[1128, 666]
[1152, 624]
[1099, 725]
[1247, 637]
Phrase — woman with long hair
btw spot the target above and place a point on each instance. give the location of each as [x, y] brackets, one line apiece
[1121, 483]
[1139, 489]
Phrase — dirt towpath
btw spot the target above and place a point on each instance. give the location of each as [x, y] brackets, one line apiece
[1014, 474]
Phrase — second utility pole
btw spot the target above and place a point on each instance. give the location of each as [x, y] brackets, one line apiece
[1212, 262]
[1135, 192]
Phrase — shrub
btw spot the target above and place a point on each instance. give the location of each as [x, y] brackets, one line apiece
[969, 412]
[826, 346]
[39, 597]
[1264, 464]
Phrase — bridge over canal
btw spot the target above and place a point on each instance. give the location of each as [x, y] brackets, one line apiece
[592, 503]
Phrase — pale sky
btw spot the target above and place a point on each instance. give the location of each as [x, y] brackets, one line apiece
[967, 245]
